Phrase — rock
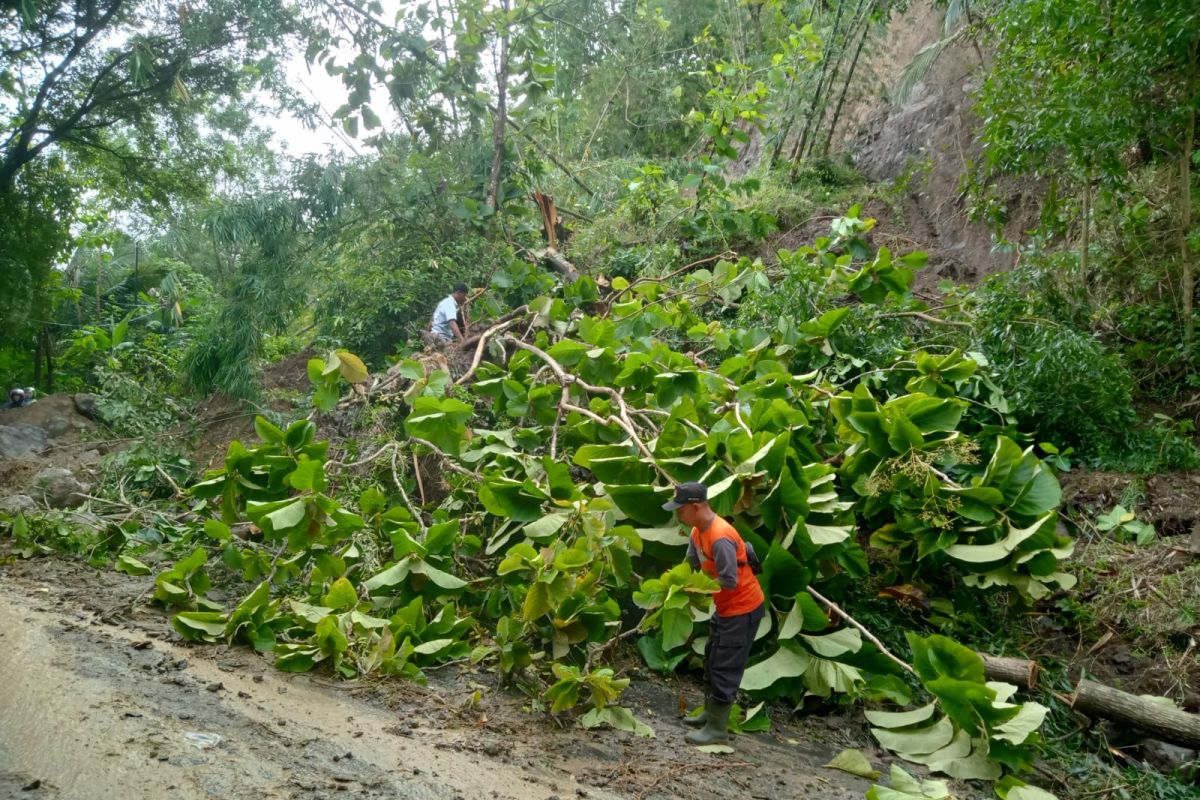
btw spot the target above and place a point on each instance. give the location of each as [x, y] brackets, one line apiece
[20, 439]
[85, 404]
[57, 426]
[17, 504]
[59, 488]
[1169, 758]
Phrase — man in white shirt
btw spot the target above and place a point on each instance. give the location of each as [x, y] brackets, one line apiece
[446, 323]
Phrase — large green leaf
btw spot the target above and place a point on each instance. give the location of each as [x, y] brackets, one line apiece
[786, 662]
[905, 787]
[930, 414]
[506, 497]
[442, 579]
[389, 578]
[937, 656]
[204, 626]
[916, 741]
[900, 719]
[286, 518]
[832, 645]
[642, 503]
[676, 627]
[805, 615]
[441, 421]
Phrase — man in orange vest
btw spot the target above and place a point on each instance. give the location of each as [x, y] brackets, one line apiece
[717, 548]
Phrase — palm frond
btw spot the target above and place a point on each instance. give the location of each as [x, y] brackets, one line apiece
[955, 11]
[916, 70]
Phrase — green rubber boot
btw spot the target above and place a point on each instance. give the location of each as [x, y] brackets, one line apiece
[701, 718]
[716, 725]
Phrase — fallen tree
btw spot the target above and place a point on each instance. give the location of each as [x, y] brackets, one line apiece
[1157, 716]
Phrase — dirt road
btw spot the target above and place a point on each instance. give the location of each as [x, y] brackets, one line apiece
[99, 699]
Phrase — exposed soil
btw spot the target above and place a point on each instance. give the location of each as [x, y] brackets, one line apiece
[1132, 620]
[924, 146]
[1171, 501]
[223, 419]
[102, 699]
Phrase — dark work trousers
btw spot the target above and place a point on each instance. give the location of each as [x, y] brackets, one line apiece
[727, 651]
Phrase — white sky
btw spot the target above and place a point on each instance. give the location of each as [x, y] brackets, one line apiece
[315, 84]
[290, 134]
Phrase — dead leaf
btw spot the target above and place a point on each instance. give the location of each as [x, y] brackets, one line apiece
[907, 595]
[1103, 641]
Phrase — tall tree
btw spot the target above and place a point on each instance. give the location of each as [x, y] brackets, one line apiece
[1077, 83]
[107, 96]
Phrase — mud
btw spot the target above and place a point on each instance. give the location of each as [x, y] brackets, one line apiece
[100, 699]
[103, 712]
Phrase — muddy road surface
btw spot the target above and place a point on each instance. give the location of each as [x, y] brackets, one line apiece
[100, 699]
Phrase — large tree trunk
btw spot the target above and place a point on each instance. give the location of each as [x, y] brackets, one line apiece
[493, 192]
[49, 347]
[1163, 721]
[37, 360]
[551, 255]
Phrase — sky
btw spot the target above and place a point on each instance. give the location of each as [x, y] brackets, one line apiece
[292, 136]
[326, 91]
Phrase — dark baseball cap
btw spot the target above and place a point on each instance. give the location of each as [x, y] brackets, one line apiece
[685, 493]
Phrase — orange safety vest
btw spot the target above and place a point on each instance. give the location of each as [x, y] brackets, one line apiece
[747, 595]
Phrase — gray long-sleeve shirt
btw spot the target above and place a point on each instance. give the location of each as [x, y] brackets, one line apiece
[724, 553]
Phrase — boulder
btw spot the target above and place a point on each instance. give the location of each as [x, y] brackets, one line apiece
[17, 504]
[21, 439]
[85, 404]
[59, 488]
[57, 414]
[1171, 759]
[57, 426]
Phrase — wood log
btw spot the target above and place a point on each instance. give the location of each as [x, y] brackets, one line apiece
[545, 204]
[470, 342]
[556, 260]
[1160, 720]
[1018, 671]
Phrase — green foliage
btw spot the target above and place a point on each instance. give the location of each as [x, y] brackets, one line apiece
[1125, 524]
[259, 294]
[553, 479]
[150, 467]
[326, 376]
[853, 440]
[1043, 101]
[906, 787]
[54, 532]
[970, 729]
[600, 683]
[1058, 378]
[672, 602]
[91, 112]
